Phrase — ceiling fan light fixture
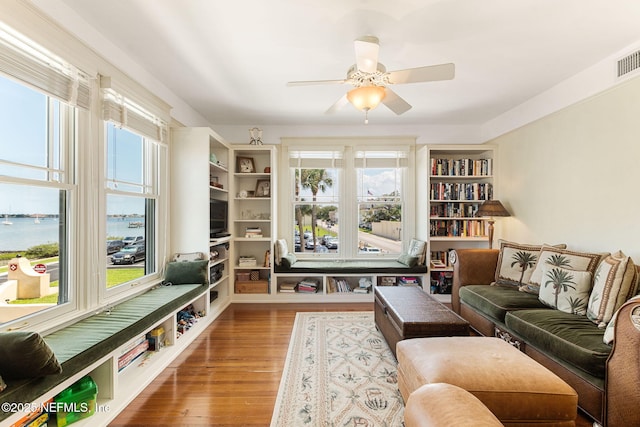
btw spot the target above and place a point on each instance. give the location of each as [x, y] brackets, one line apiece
[366, 98]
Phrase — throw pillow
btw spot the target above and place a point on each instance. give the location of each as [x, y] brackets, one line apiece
[516, 262]
[417, 249]
[573, 260]
[565, 290]
[187, 272]
[615, 281]
[408, 260]
[288, 260]
[281, 249]
[610, 332]
[26, 355]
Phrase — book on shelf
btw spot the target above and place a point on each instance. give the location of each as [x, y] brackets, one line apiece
[247, 261]
[461, 167]
[289, 287]
[253, 232]
[128, 358]
[308, 286]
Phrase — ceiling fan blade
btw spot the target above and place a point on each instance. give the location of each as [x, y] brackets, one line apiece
[316, 82]
[393, 102]
[429, 73]
[338, 105]
[367, 48]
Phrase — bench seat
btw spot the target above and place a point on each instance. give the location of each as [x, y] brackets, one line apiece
[351, 267]
[85, 342]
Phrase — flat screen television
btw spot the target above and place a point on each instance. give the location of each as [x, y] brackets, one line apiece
[218, 218]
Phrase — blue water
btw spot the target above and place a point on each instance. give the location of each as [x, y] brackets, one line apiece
[25, 233]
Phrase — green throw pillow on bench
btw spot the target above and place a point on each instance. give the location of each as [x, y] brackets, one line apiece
[26, 355]
[408, 260]
[288, 260]
[187, 272]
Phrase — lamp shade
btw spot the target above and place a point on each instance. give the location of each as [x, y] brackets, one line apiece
[492, 208]
[366, 98]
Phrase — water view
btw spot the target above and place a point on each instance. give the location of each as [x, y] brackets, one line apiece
[23, 232]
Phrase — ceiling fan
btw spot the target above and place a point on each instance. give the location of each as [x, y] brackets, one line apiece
[370, 79]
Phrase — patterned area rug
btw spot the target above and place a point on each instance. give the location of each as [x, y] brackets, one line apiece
[339, 372]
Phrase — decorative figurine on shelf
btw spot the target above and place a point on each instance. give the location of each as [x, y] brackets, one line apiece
[255, 135]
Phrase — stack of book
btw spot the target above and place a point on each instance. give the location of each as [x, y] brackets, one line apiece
[289, 287]
[339, 285]
[309, 286]
[253, 232]
[131, 352]
[247, 261]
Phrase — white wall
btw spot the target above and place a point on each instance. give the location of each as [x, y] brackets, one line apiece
[572, 177]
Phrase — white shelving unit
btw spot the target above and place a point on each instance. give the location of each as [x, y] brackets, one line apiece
[200, 162]
[117, 389]
[251, 223]
[459, 178]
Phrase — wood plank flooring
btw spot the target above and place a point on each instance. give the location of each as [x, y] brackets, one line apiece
[230, 374]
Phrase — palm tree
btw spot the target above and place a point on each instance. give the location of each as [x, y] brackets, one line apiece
[316, 180]
[524, 260]
[561, 281]
[558, 260]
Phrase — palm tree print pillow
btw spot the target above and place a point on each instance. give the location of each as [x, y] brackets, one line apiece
[564, 289]
[516, 262]
[563, 258]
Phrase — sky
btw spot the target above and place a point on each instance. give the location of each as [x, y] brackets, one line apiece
[23, 123]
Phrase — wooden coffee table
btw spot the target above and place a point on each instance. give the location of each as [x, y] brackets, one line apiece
[403, 312]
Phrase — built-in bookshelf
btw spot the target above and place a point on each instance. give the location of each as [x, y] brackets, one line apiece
[200, 183]
[251, 219]
[459, 179]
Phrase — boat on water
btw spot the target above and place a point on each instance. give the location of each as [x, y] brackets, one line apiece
[6, 220]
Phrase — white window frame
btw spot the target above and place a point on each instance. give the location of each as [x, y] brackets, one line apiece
[348, 234]
[120, 108]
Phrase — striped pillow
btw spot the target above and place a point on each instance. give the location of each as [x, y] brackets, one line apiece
[616, 280]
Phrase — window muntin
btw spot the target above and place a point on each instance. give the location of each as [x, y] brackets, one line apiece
[35, 200]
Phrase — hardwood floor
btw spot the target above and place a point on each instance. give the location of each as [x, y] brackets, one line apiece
[231, 373]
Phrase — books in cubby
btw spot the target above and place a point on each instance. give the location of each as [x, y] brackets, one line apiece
[288, 287]
[253, 232]
[458, 228]
[247, 261]
[460, 191]
[461, 167]
[308, 285]
[408, 281]
[453, 210]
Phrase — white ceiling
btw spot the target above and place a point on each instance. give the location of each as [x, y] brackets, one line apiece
[230, 60]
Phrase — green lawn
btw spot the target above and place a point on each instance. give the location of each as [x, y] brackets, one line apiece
[115, 276]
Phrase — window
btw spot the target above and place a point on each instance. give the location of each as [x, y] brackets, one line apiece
[132, 185]
[348, 201]
[316, 201]
[380, 176]
[36, 190]
[66, 160]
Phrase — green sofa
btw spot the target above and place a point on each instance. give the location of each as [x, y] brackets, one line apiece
[605, 376]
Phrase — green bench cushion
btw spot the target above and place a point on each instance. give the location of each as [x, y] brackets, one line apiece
[351, 266]
[496, 301]
[566, 337]
[83, 343]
